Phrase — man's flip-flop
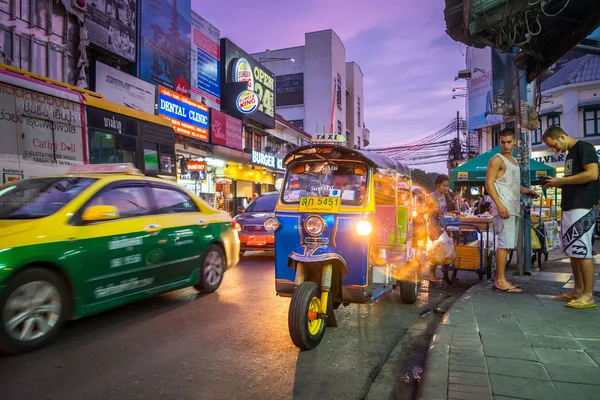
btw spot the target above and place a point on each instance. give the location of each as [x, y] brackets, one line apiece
[507, 290]
[563, 297]
[580, 304]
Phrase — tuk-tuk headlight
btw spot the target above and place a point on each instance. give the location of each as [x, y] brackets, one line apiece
[364, 228]
[314, 225]
[271, 224]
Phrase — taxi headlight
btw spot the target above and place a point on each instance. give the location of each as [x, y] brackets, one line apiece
[271, 224]
[364, 228]
[314, 225]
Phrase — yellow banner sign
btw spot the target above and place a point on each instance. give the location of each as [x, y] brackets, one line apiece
[463, 176]
[326, 205]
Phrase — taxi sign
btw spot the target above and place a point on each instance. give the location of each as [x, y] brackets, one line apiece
[329, 205]
[124, 168]
[329, 138]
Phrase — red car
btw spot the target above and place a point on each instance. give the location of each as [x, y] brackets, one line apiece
[253, 235]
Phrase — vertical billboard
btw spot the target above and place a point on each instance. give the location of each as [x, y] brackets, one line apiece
[111, 25]
[188, 117]
[248, 87]
[206, 58]
[479, 90]
[225, 130]
[165, 43]
[122, 88]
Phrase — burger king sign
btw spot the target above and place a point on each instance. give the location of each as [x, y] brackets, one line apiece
[247, 102]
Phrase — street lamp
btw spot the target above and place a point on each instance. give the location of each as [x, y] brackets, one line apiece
[277, 59]
[459, 95]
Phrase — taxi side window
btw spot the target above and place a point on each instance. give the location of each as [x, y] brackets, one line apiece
[130, 201]
[169, 201]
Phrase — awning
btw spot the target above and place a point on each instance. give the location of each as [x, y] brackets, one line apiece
[588, 102]
[473, 171]
[545, 111]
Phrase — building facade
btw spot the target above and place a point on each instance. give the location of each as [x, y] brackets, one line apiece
[42, 37]
[570, 100]
[317, 90]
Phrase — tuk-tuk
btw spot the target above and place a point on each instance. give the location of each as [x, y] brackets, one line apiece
[342, 234]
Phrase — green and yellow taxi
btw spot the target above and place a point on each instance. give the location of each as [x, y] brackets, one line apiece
[99, 237]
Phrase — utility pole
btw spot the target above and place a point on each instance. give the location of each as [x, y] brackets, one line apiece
[523, 158]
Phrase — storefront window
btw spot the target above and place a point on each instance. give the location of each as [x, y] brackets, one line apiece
[248, 141]
[40, 13]
[591, 122]
[6, 43]
[536, 137]
[257, 143]
[23, 10]
[23, 58]
[39, 58]
[553, 120]
[56, 64]
[58, 19]
[106, 148]
[151, 157]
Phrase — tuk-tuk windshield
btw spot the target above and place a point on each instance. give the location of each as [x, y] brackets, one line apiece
[322, 178]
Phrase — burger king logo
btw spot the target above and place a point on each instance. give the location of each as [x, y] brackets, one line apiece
[247, 102]
[242, 72]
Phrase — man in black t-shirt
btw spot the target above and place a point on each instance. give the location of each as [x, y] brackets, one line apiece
[580, 193]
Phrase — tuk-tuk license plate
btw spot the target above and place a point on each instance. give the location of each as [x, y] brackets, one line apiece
[330, 205]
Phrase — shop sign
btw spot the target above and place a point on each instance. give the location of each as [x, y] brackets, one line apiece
[112, 26]
[250, 87]
[10, 175]
[226, 130]
[188, 117]
[197, 170]
[556, 160]
[463, 176]
[266, 160]
[278, 184]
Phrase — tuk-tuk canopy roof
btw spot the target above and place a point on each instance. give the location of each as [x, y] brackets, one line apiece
[473, 171]
[370, 158]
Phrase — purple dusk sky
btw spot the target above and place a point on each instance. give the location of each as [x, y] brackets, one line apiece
[408, 61]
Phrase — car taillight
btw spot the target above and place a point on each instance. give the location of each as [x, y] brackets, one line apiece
[236, 226]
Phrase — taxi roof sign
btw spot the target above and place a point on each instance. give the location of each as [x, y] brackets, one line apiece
[329, 138]
[124, 168]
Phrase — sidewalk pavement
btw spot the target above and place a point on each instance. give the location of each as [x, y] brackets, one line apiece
[493, 345]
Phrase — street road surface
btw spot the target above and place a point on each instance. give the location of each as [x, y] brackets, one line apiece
[232, 344]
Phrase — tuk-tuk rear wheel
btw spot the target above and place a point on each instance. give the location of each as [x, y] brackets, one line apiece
[306, 333]
[409, 288]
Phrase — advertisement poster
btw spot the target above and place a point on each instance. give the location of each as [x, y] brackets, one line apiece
[165, 43]
[122, 88]
[248, 87]
[206, 58]
[39, 129]
[188, 117]
[479, 89]
[226, 130]
[111, 25]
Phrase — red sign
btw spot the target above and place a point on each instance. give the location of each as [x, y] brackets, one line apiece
[226, 130]
[196, 166]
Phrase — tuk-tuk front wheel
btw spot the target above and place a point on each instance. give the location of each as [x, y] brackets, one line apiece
[306, 329]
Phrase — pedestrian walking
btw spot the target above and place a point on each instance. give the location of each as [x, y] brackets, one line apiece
[503, 185]
[580, 191]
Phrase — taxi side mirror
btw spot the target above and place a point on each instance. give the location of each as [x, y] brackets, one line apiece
[100, 213]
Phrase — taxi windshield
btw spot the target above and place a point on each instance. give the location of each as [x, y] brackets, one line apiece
[40, 197]
[345, 179]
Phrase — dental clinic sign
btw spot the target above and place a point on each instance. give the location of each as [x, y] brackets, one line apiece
[266, 160]
[188, 117]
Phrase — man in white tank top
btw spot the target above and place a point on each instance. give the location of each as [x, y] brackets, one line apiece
[503, 184]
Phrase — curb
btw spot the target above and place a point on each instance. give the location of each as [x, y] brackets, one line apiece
[434, 382]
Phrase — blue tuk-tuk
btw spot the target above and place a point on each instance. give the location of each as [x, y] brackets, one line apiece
[342, 234]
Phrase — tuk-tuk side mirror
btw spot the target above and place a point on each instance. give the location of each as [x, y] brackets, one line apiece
[100, 213]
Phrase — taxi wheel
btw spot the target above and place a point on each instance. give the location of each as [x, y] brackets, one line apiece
[33, 307]
[213, 268]
[305, 333]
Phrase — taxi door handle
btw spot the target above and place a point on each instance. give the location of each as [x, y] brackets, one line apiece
[203, 223]
[152, 228]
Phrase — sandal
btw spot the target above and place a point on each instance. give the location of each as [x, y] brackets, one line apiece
[563, 297]
[580, 304]
[508, 290]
